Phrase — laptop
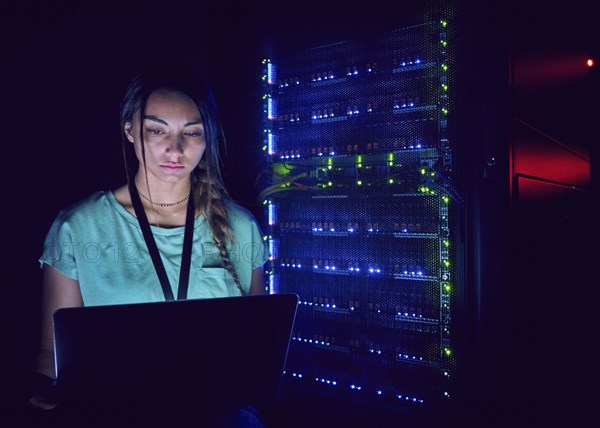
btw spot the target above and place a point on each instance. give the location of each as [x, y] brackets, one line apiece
[223, 351]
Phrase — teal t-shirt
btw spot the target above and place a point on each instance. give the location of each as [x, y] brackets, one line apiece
[100, 244]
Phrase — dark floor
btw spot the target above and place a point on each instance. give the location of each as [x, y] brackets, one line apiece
[525, 406]
[294, 409]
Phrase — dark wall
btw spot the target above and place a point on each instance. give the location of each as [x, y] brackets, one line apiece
[529, 103]
[553, 144]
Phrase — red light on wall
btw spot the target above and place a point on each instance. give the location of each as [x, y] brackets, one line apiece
[590, 62]
[539, 69]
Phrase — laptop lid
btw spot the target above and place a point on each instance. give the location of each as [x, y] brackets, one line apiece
[224, 351]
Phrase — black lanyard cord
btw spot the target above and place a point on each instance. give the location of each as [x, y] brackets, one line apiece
[186, 254]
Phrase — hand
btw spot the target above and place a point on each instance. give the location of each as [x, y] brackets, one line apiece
[45, 395]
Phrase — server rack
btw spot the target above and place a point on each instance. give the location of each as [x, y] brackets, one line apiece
[361, 214]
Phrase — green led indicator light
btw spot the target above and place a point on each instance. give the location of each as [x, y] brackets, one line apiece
[444, 67]
[391, 181]
[446, 263]
[359, 182]
[447, 352]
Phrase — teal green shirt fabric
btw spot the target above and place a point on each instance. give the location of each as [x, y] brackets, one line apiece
[100, 244]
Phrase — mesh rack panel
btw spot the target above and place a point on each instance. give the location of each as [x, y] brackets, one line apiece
[358, 206]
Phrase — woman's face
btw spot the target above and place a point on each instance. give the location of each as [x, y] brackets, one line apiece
[173, 136]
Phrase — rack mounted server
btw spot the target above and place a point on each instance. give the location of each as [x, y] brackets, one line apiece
[359, 206]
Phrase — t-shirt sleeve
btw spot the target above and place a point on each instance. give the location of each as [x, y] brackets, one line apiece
[250, 247]
[59, 249]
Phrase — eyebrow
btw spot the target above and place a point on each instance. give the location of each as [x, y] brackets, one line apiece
[159, 120]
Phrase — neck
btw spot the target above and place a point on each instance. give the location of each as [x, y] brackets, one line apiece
[162, 194]
[163, 204]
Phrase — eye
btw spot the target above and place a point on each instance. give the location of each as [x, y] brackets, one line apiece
[194, 133]
[155, 131]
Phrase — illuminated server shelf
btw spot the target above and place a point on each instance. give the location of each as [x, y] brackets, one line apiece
[359, 213]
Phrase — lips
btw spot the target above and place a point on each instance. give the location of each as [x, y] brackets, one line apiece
[172, 167]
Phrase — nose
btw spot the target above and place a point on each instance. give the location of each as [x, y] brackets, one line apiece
[175, 145]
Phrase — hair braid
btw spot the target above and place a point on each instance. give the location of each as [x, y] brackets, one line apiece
[211, 196]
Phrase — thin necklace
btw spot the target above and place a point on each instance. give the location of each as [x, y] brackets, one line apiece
[158, 204]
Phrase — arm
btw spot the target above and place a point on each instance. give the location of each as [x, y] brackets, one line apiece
[257, 283]
[58, 291]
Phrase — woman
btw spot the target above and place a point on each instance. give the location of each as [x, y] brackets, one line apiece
[170, 232]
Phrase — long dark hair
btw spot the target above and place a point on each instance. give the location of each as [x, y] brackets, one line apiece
[209, 190]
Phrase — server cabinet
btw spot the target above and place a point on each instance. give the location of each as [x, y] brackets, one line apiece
[361, 208]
